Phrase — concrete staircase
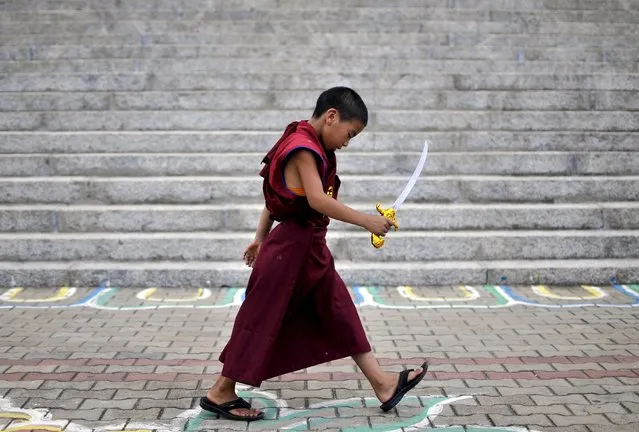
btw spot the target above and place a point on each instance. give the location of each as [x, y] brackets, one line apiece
[131, 134]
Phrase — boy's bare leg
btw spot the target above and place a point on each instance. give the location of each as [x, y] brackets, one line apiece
[224, 391]
[384, 383]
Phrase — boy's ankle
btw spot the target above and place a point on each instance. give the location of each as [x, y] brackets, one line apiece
[223, 386]
[381, 382]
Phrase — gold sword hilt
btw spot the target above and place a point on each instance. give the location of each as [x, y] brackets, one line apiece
[389, 214]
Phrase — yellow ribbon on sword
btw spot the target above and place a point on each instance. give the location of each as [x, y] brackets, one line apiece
[391, 213]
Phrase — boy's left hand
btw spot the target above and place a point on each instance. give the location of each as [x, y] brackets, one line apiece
[250, 254]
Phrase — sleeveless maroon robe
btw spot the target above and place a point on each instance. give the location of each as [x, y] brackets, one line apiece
[297, 312]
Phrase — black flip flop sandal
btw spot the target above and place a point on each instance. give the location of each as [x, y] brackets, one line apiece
[403, 387]
[224, 410]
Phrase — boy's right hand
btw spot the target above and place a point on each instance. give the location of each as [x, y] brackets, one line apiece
[250, 254]
[378, 225]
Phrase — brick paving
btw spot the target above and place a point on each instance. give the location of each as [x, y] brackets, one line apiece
[120, 361]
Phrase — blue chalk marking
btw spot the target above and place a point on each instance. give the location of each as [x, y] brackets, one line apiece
[92, 295]
[622, 289]
[516, 297]
[359, 298]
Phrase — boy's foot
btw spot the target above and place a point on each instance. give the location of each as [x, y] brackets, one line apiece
[230, 406]
[395, 388]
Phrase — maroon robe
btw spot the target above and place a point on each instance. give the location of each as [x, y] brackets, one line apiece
[297, 312]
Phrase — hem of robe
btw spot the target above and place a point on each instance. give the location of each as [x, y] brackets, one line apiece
[233, 375]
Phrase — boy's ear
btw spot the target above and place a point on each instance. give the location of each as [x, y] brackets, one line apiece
[332, 116]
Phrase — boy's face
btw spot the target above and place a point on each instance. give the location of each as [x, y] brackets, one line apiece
[336, 133]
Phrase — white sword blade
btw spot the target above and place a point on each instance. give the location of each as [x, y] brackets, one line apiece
[413, 178]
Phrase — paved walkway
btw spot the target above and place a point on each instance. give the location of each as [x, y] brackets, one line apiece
[503, 359]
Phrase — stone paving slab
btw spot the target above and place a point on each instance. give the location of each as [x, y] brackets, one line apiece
[502, 359]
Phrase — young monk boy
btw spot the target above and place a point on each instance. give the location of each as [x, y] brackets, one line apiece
[297, 312]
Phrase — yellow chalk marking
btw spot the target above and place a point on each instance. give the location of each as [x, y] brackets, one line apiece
[32, 427]
[468, 293]
[15, 416]
[147, 294]
[595, 293]
[12, 296]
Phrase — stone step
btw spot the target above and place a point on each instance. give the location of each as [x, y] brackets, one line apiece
[235, 190]
[411, 217]
[629, 15]
[380, 120]
[124, 26]
[236, 274]
[309, 66]
[510, 12]
[287, 81]
[388, 52]
[324, 39]
[109, 5]
[350, 163]
[293, 100]
[81, 5]
[350, 246]
[261, 142]
[137, 27]
[170, 11]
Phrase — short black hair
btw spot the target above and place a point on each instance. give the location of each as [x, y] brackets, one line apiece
[346, 101]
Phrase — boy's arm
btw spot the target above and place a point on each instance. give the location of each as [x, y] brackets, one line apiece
[264, 225]
[305, 163]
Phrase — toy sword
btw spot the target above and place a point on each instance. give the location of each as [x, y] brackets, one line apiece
[391, 213]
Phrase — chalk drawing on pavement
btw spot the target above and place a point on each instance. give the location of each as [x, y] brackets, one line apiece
[148, 294]
[278, 416]
[403, 297]
[12, 295]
